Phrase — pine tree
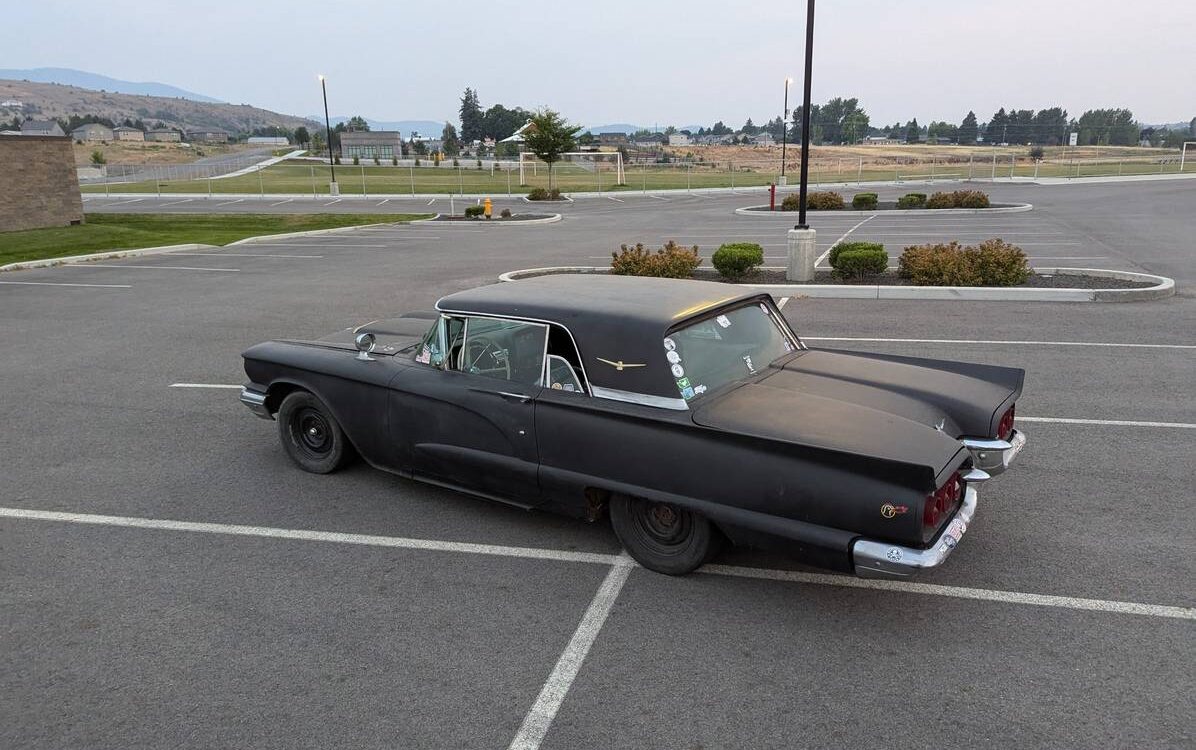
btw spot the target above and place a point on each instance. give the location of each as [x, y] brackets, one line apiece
[471, 116]
[968, 130]
[913, 133]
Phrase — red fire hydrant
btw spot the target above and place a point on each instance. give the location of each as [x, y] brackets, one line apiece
[772, 196]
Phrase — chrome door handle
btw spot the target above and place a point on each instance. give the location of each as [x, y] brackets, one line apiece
[520, 397]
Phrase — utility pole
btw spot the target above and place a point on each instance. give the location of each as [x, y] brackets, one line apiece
[333, 188]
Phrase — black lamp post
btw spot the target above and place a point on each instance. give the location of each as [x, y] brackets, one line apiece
[805, 118]
[785, 127]
[328, 127]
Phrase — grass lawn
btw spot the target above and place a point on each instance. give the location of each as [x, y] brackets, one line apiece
[102, 232]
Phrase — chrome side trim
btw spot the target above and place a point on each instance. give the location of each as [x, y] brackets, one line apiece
[256, 402]
[976, 476]
[875, 559]
[660, 402]
[994, 456]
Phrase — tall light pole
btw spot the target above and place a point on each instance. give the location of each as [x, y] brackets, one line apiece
[805, 117]
[785, 127]
[333, 189]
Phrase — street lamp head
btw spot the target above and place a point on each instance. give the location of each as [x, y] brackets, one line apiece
[320, 77]
[788, 80]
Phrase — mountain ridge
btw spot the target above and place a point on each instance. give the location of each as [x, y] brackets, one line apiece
[99, 82]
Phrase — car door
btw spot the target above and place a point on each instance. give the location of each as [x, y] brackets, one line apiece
[465, 411]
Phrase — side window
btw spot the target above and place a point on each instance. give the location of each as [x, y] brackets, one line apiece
[508, 350]
[442, 342]
[563, 370]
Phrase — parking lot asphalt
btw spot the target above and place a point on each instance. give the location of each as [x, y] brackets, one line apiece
[119, 635]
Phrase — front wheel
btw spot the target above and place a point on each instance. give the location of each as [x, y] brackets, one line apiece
[310, 435]
[663, 537]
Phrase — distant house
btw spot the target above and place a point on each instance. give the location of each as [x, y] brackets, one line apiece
[163, 135]
[679, 139]
[41, 127]
[208, 135]
[763, 139]
[126, 133]
[371, 144]
[266, 140]
[92, 132]
[12, 104]
[612, 139]
[881, 140]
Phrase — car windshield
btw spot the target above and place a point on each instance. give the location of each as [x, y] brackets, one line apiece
[723, 349]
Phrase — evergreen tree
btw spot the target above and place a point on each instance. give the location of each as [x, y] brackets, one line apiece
[749, 128]
[448, 136]
[471, 117]
[913, 133]
[997, 127]
[968, 130]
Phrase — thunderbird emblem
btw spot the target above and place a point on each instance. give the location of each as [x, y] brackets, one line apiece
[941, 423]
[620, 365]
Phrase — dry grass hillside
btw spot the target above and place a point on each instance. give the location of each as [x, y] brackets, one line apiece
[51, 100]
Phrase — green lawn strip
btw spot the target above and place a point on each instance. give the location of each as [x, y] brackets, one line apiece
[102, 232]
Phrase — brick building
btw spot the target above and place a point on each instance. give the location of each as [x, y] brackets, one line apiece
[40, 187]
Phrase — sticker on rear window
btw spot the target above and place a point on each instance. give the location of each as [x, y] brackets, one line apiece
[723, 321]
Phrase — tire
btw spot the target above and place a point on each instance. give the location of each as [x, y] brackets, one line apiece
[663, 537]
[310, 434]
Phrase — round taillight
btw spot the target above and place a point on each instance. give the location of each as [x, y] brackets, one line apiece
[1005, 428]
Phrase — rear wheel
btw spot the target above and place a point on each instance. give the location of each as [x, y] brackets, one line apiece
[310, 435]
[663, 537]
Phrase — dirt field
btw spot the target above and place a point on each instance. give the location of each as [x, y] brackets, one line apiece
[133, 152]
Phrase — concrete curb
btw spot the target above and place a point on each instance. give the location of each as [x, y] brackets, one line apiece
[549, 219]
[1163, 287]
[1001, 209]
[106, 255]
[310, 233]
[565, 199]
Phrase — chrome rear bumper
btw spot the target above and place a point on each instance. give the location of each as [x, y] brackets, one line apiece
[256, 401]
[874, 559]
[994, 456]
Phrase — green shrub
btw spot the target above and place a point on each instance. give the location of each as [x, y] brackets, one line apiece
[824, 201]
[940, 200]
[859, 262]
[456, 162]
[1036, 153]
[377, 162]
[864, 201]
[670, 262]
[912, 200]
[991, 263]
[356, 161]
[473, 212]
[842, 247]
[394, 161]
[791, 202]
[417, 161]
[505, 213]
[543, 194]
[735, 260]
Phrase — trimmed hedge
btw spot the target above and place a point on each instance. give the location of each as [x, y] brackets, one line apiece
[734, 260]
[505, 213]
[863, 201]
[542, 194]
[791, 202]
[860, 262]
[991, 263]
[833, 257]
[473, 212]
[958, 199]
[912, 200]
[817, 201]
[670, 262]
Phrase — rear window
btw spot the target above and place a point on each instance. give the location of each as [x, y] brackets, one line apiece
[731, 346]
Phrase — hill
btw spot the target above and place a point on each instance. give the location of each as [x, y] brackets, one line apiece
[52, 100]
[97, 82]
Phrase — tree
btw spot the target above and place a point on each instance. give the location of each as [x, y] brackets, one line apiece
[968, 131]
[471, 117]
[1050, 126]
[721, 129]
[357, 123]
[749, 128]
[1108, 127]
[855, 126]
[448, 136]
[1020, 129]
[97, 158]
[586, 139]
[548, 136]
[1192, 127]
[498, 122]
[302, 137]
[913, 133]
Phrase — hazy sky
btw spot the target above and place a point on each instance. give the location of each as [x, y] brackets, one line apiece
[647, 62]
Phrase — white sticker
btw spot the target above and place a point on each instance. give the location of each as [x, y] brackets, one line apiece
[670, 344]
[673, 357]
[678, 371]
[764, 307]
[723, 321]
[699, 389]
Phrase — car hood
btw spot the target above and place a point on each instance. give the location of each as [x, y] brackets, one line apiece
[390, 336]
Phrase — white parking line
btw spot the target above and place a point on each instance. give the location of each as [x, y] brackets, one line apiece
[1011, 342]
[205, 385]
[150, 268]
[331, 203]
[250, 255]
[48, 283]
[535, 553]
[820, 258]
[613, 198]
[175, 203]
[382, 202]
[288, 200]
[430, 202]
[121, 203]
[229, 203]
[657, 197]
[1108, 422]
[535, 725]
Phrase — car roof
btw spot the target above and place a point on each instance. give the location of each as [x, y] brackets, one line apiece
[619, 319]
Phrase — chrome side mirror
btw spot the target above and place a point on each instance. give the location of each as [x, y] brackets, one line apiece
[365, 344]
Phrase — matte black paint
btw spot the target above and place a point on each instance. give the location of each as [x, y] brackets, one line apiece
[800, 457]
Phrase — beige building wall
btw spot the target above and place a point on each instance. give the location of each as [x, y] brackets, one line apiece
[38, 184]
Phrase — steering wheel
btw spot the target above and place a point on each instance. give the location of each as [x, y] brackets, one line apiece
[479, 346]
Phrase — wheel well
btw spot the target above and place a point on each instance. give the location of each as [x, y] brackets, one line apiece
[277, 392]
[597, 500]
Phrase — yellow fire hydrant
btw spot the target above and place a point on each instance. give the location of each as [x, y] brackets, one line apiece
[487, 206]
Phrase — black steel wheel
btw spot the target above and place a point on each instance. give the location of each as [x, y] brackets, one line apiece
[310, 435]
[663, 537]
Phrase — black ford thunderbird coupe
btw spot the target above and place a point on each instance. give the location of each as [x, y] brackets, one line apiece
[688, 411]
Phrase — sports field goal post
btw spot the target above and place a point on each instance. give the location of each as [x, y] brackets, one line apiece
[1184, 152]
[596, 158]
